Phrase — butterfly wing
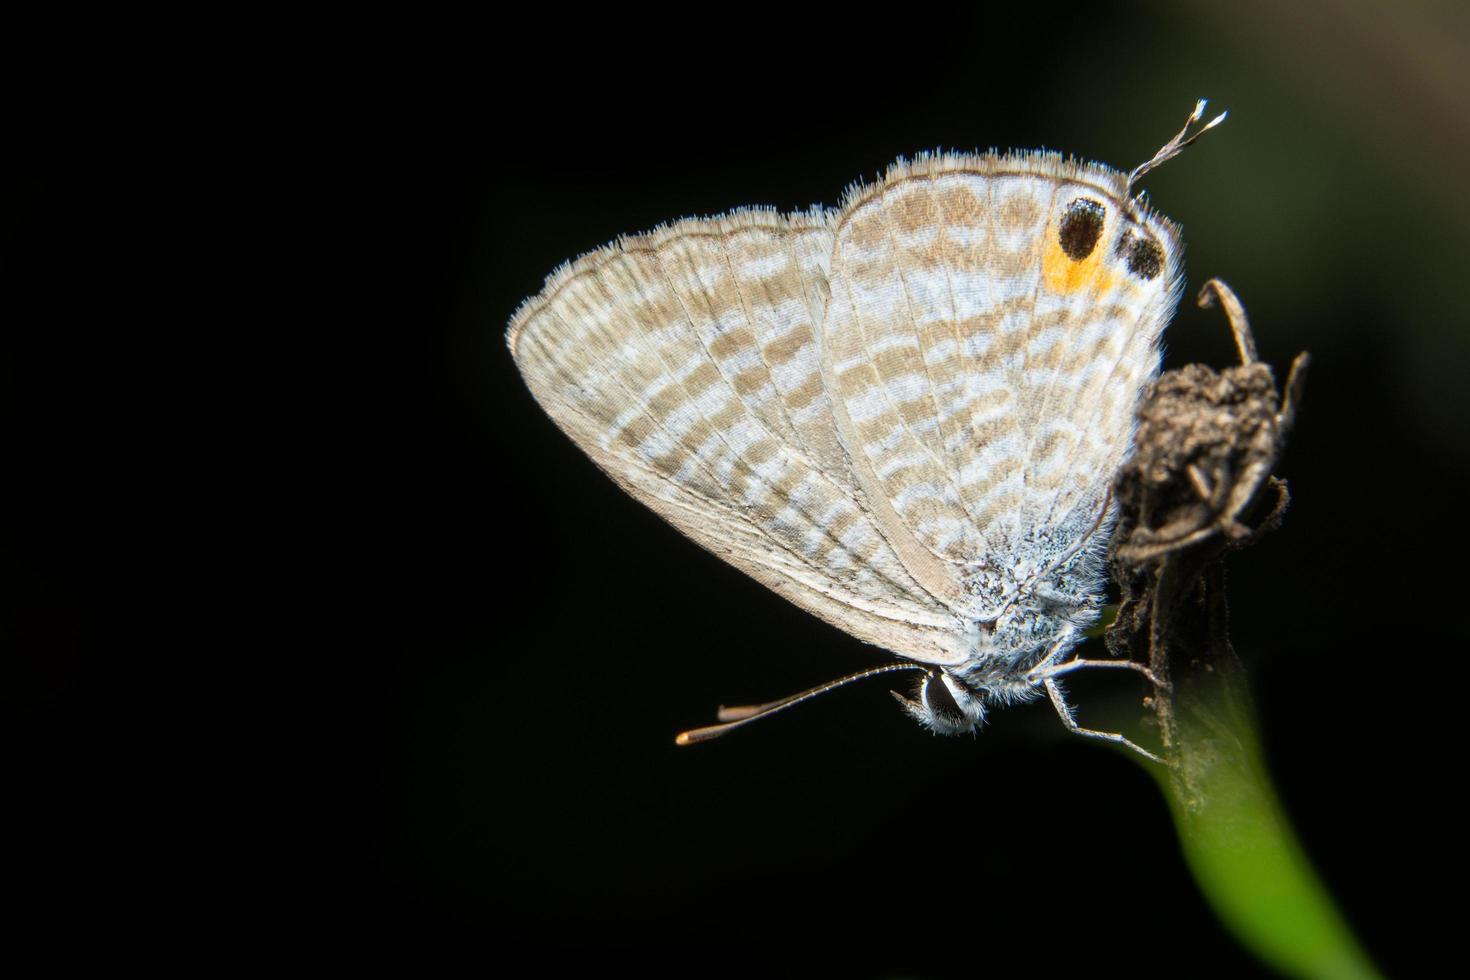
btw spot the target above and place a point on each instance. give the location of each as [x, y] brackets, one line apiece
[983, 369]
[686, 364]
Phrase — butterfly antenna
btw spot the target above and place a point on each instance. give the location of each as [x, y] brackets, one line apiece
[732, 718]
[1176, 145]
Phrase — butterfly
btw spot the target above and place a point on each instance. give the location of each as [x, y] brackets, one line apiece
[904, 414]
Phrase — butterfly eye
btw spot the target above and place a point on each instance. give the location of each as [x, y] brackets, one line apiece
[940, 702]
[1082, 225]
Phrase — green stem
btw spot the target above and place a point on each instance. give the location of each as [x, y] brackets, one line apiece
[1247, 860]
[1197, 487]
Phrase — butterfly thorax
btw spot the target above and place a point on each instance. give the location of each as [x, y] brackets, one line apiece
[1024, 611]
[1022, 603]
[1036, 626]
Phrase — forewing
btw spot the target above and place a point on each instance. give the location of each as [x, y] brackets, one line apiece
[685, 363]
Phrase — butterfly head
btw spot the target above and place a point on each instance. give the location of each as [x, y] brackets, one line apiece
[945, 705]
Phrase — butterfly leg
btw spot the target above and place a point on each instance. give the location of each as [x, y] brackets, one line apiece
[1064, 711]
[1046, 669]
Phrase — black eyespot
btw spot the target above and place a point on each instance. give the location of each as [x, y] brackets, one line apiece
[1081, 226]
[939, 701]
[1144, 257]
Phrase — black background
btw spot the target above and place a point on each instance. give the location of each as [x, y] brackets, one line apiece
[303, 588]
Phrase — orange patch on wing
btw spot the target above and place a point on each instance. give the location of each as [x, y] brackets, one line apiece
[1066, 277]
